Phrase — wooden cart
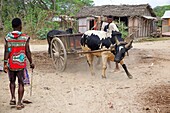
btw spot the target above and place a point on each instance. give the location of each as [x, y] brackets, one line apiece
[61, 45]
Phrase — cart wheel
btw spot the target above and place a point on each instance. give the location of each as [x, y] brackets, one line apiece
[58, 54]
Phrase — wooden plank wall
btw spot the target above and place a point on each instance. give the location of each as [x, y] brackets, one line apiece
[141, 26]
[165, 25]
[133, 26]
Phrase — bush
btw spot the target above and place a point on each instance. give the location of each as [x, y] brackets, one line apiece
[123, 29]
[42, 33]
[7, 26]
[48, 25]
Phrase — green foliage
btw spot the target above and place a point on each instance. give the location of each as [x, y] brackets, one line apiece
[160, 10]
[36, 15]
[71, 7]
[123, 29]
[42, 33]
[9, 10]
[7, 26]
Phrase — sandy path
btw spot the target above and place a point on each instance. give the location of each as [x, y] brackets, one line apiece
[76, 91]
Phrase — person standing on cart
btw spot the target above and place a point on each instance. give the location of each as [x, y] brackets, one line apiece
[109, 27]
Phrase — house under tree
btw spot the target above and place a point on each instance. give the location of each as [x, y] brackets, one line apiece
[140, 19]
[166, 23]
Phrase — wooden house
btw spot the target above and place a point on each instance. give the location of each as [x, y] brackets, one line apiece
[140, 19]
[166, 23]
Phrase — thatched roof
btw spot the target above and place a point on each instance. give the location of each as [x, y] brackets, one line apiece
[116, 10]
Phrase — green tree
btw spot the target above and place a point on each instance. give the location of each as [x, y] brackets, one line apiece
[37, 14]
[160, 10]
[71, 7]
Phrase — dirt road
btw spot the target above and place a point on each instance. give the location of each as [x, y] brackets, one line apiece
[76, 91]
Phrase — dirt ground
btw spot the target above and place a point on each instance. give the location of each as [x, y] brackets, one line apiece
[76, 91]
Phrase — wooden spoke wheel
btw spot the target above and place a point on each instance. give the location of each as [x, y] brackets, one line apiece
[58, 54]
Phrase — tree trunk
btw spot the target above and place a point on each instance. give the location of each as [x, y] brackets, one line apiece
[1, 24]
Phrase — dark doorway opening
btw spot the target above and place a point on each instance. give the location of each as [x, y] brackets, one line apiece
[91, 24]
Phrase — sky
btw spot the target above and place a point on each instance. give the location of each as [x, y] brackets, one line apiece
[152, 3]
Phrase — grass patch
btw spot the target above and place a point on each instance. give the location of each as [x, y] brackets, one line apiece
[149, 39]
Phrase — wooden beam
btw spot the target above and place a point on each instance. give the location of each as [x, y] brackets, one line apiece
[94, 51]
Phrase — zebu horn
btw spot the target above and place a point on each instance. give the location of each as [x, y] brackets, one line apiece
[128, 45]
[117, 41]
[122, 43]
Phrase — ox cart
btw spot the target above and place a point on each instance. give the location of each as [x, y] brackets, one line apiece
[93, 44]
[61, 46]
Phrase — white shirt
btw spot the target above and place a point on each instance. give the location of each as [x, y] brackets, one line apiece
[112, 27]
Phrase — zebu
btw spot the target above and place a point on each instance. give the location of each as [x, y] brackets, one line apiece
[51, 34]
[93, 40]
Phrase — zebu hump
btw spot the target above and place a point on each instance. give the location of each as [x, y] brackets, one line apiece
[100, 34]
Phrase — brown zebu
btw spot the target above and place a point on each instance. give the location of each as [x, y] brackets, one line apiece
[93, 40]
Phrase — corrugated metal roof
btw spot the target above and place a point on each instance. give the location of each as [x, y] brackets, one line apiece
[149, 17]
[166, 14]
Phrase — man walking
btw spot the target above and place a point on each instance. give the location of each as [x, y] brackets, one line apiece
[15, 53]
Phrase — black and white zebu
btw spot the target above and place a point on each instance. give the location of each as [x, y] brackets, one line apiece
[93, 40]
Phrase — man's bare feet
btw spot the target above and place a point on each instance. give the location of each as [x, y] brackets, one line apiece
[12, 102]
[20, 106]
